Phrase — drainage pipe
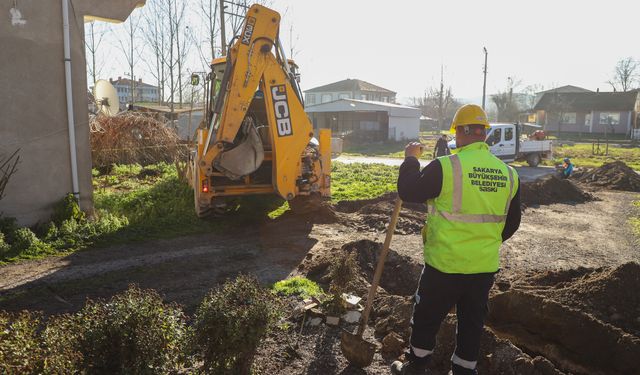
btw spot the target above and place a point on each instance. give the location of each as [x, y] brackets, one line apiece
[69, 90]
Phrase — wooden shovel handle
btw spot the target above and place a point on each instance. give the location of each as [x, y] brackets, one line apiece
[380, 267]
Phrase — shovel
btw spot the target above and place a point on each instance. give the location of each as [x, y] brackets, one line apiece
[357, 350]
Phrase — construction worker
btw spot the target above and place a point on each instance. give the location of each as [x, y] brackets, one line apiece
[473, 202]
[566, 168]
[442, 148]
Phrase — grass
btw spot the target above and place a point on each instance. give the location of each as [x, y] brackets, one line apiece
[134, 203]
[582, 155]
[361, 181]
[298, 286]
[385, 149]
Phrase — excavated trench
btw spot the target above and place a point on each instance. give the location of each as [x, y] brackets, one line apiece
[543, 323]
[578, 321]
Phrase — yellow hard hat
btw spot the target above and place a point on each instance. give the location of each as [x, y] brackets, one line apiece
[469, 114]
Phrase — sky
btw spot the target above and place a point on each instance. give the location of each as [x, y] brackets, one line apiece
[401, 44]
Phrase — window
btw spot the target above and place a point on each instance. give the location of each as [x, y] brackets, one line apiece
[311, 99]
[385, 99]
[344, 96]
[363, 97]
[612, 118]
[369, 125]
[326, 98]
[495, 137]
[587, 119]
[569, 118]
[508, 134]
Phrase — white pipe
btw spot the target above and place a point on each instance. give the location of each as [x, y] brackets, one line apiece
[68, 86]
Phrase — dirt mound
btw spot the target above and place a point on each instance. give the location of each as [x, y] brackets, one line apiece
[551, 189]
[616, 176]
[574, 340]
[609, 294]
[399, 277]
[374, 214]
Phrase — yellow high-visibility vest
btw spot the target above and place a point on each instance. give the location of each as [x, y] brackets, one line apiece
[465, 222]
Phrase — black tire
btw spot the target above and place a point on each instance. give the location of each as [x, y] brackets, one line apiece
[533, 160]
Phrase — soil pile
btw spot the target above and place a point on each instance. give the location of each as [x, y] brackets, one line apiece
[374, 214]
[611, 295]
[552, 189]
[616, 176]
[399, 277]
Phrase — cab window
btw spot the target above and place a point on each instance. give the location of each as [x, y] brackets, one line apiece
[508, 134]
[495, 137]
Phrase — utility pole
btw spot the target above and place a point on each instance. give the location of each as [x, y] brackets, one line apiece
[484, 84]
[223, 39]
[441, 98]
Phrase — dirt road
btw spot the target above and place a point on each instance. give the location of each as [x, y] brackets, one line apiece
[184, 269]
[525, 173]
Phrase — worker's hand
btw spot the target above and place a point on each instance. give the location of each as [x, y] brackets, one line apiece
[413, 149]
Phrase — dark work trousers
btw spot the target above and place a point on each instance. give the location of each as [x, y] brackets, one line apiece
[437, 293]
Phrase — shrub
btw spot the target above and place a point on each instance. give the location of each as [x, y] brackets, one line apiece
[8, 226]
[230, 323]
[27, 244]
[4, 247]
[67, 209]
[134, 332]
[61, 339]
[299, 286]
[20, 346]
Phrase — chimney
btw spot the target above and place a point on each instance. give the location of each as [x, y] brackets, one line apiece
[119, 78]
[110, 80]
[140, 80]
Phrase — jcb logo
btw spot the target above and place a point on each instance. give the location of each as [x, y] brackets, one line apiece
[248, 30]
[281, 109]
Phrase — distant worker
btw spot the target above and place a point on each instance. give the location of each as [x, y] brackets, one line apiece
[566, 168]
[442, 147]
[473, 202]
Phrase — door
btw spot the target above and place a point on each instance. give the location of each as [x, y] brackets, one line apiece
[502, 142]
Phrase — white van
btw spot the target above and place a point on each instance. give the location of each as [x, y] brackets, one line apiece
[507, 142]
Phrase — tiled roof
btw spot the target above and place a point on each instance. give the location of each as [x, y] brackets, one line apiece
[127, 82]
[349, 85]
[588, 101]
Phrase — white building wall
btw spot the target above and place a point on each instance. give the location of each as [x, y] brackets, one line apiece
[406, 128]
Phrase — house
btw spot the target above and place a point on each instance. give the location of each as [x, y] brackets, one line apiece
[589, 112]
[33, 65]
[183, 120]
[364, 120]
[143, 92]
[348, 89]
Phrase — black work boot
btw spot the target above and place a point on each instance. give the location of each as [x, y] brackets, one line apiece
[413, 365]
[459, 370]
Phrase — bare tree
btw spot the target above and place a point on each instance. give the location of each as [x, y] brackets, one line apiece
[625, 74]
[8, 167]
[531, 95]
[505, 102]
[130, 50]
[155, 36]
[558, 106]
[209, 15]
[437, 103]
[92, 43]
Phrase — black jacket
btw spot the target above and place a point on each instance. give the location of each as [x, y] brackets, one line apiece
[419, 186]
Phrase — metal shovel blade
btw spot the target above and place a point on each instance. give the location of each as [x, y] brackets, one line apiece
[357, 350]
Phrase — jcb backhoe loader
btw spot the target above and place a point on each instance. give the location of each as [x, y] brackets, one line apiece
[258, 139]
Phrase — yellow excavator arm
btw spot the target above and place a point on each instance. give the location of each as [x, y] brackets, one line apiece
[259, 139]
